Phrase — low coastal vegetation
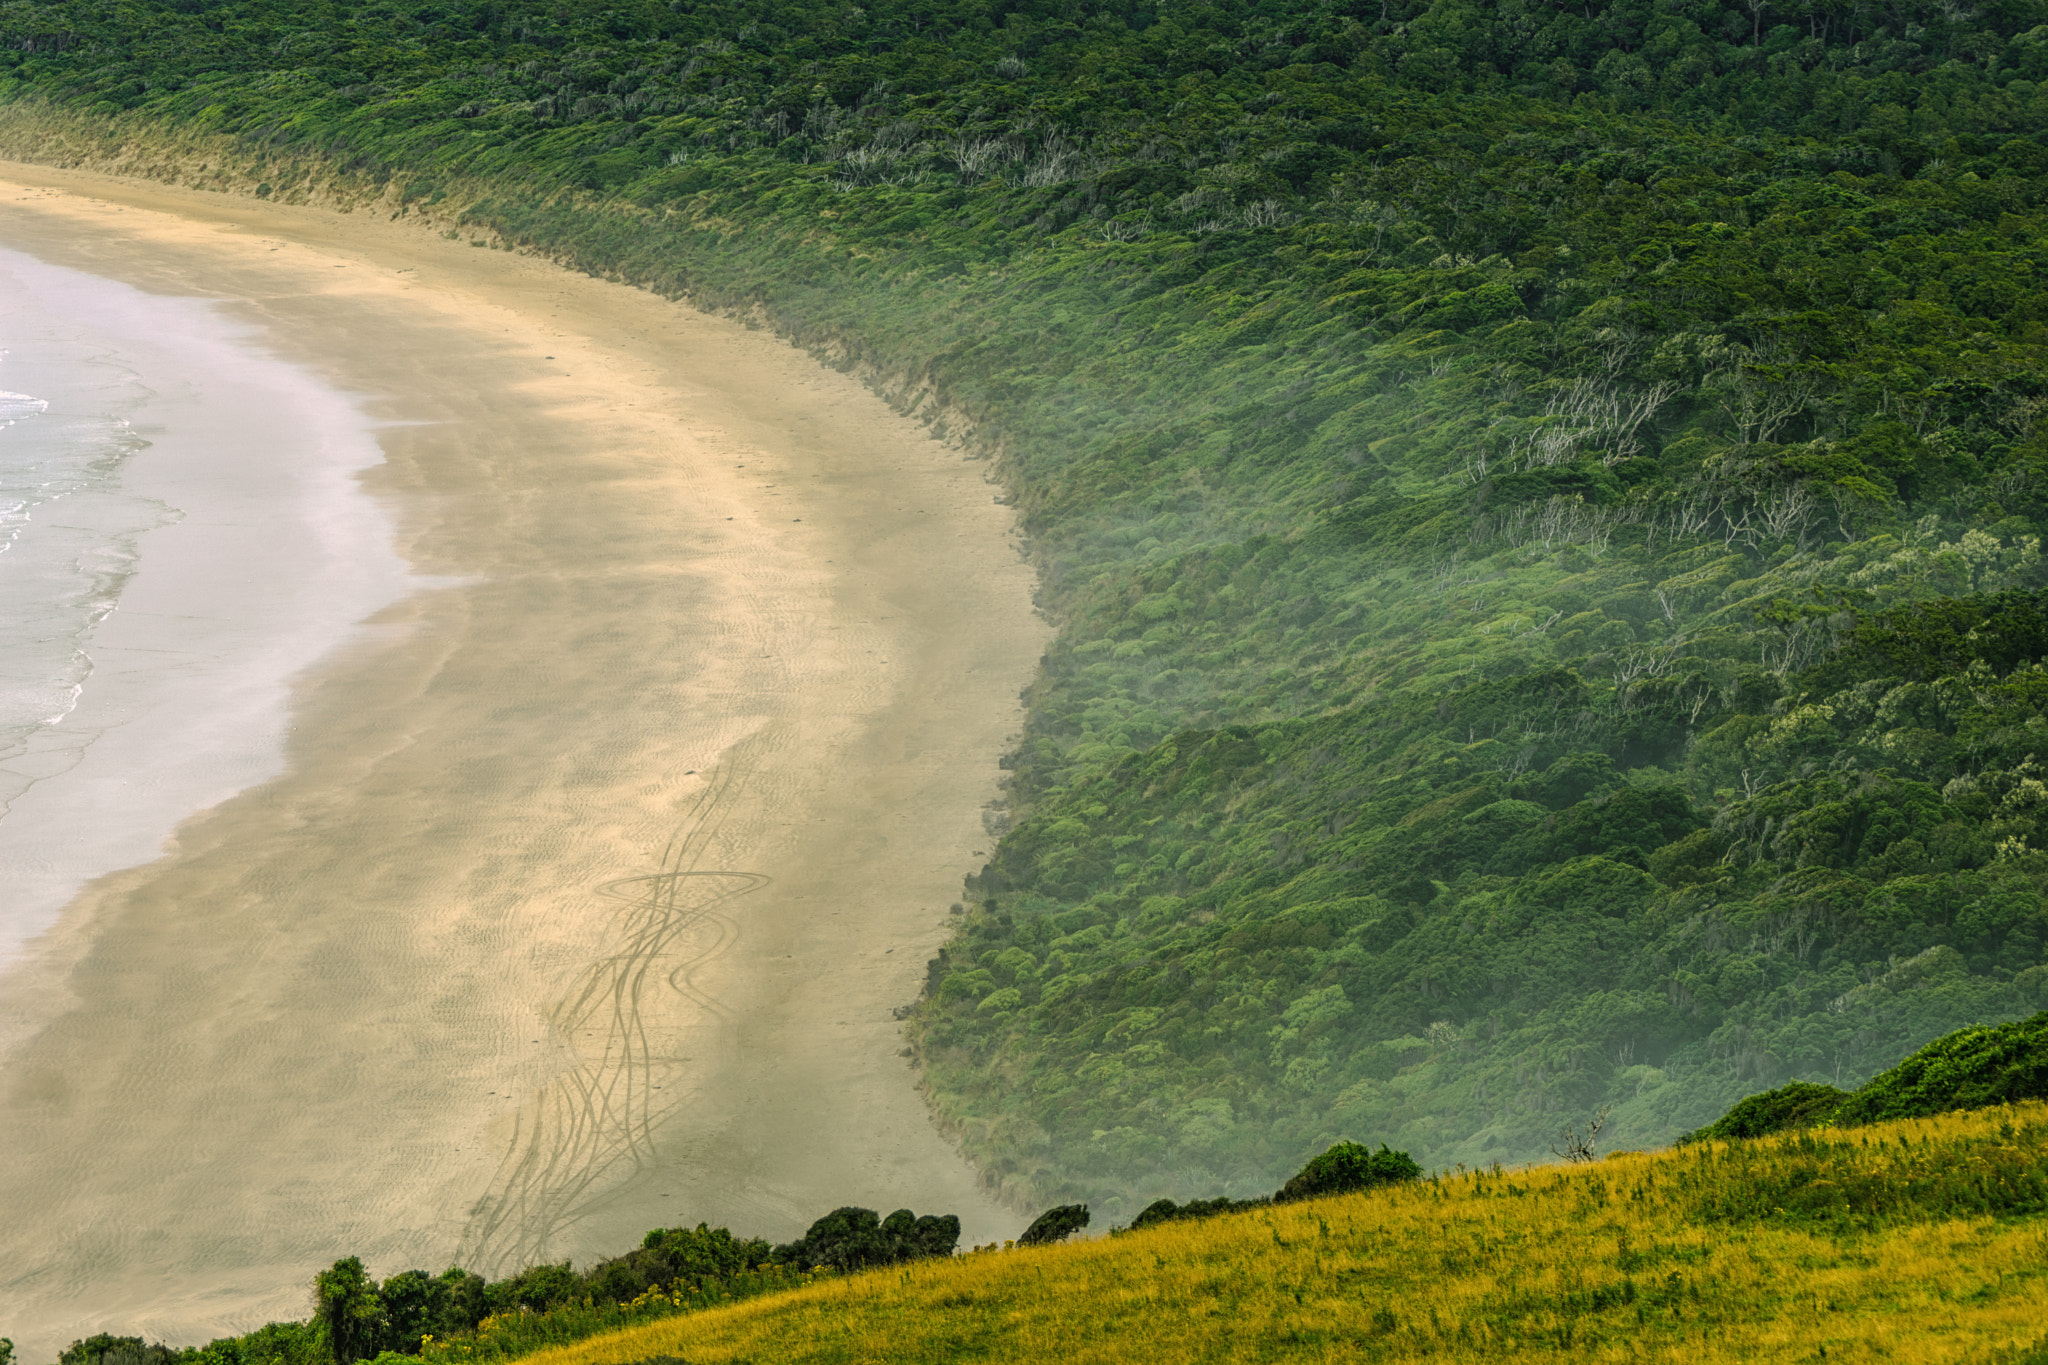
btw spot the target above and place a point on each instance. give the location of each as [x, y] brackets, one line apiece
[1543, 502]
[1915, 1240]
[459, 1316]
[413, 1318]
[1908, 1225]
[1967, 1069]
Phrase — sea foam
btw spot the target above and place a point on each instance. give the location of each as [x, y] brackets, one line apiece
[182, 532]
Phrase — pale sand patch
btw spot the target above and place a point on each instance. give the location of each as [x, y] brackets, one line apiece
[490, 974]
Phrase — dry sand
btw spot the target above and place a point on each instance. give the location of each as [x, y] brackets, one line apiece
[597, 869]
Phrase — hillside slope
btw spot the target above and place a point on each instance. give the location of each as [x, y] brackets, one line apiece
[1912, 1241]
[1965, 1112]
[1543, 502]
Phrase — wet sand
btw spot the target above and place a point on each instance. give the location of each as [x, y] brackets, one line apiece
[597, 867]
[262, 552]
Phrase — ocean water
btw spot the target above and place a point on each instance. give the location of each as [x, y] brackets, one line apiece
[70, 531]
[183, 532]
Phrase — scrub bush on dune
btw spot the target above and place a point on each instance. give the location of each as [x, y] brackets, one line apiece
[852, 1239]
[1168, 1211]
[670, 1256]
[1054, 1225]
[1968, 1069]
[1971, 1068]
[104, 1349]
[1346, 1168]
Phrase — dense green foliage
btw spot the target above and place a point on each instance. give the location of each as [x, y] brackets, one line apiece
[1544, 502]
[459, 1318]
[1348, 1167]
[1971, 1068]
[1798, 1104]
[105, 1349]
[356, 1318]
[1169, 1211]
[1345, 1168]
[1056, 1224]
[348, 1308]
[853, 1239]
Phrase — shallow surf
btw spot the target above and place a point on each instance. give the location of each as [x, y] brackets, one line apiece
[182, 532]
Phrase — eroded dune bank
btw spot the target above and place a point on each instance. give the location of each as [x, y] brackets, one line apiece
[599, 862]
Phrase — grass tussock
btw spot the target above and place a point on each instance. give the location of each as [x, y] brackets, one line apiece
[1914, 1241]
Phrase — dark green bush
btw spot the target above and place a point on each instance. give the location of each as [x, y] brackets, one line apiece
[677, 1256]
[1166, 1211]
[103, 1349]
[279, 1343]
[1967, 1069]
[536, 1289]
[347, 1306]
[1348, 1167]
[852, 1239]
[1802, 1104]
[1054, 1225]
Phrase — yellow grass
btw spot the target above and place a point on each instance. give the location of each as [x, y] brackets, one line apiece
[1611, 1262]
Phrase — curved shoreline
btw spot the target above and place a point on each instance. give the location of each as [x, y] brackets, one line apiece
[596, 871]
[258, 552]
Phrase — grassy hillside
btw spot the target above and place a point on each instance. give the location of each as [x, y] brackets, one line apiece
[1917, 1240]
[1502, 1262]
[1543, 502]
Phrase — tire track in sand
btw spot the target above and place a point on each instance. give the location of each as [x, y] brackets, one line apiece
[591, 1127]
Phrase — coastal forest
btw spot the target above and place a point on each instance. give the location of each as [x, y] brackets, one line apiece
[1542, 502]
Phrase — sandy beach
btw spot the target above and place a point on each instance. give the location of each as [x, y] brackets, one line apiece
[599, 860]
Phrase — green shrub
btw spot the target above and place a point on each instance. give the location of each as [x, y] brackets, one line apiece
[1167, 1211]
[1802, 1104]
[104, 1349]
[851, 1239]
[348, 1308]
[1968, 1069]
[1054, 1225]
[669, 1257]
[1347, 1167]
